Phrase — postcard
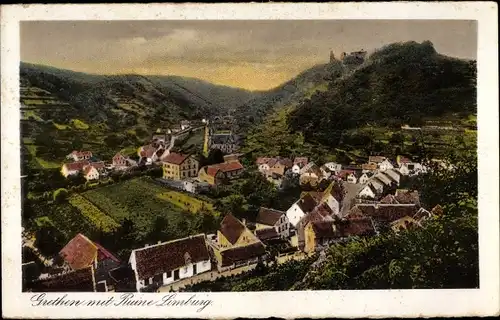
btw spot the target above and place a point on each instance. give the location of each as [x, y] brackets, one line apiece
[250, 160]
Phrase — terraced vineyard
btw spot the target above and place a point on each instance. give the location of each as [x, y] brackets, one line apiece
[93, 214]
[143, 201]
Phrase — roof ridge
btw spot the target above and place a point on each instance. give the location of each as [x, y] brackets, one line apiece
[170, 241]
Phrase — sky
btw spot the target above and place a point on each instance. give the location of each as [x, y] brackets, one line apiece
[254, 55]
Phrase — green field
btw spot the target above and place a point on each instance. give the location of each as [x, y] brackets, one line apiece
[185, 201]
[142, 201]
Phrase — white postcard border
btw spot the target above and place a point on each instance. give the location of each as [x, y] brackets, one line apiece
[313, 304]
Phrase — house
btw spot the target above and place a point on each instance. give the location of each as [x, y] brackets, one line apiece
[300, 208]
[119, 160]
[383, 178]
[218, 173]
[233, 232]
[369, 167]
[326, 172]
[274, 219]
[333, 167]
[403, 196]
[385, 165]
[81, 280]
[321, 212]
[236, 245]
[73, 168]
[319, 234]
[80, 252]
[347, 175]
[363, 178]
[299, 163]
[403, 168]
[233, 257]
[333, 197]
[394, 175]
[90, 172]
[267, 235]
[148, 153]
[367, 192]
[276, 165]
[79, 155]
[377, 185]
[311, 174]
[170, 261]
[178, 166]
[376, 159]
[387, 213]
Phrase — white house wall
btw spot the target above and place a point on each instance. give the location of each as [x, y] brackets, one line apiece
[294, 214]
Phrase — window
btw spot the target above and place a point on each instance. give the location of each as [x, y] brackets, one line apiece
[169, 274]
[184, 174]
[185, 269]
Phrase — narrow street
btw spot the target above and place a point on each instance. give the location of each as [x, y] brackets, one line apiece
[206, 276]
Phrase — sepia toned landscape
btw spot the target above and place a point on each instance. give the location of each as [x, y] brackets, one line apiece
[205, 156]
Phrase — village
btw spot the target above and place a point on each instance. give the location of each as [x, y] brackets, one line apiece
[339, 202]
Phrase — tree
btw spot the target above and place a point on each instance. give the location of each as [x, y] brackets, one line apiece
[60, 195]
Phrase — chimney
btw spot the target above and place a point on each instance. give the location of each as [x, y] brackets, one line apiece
[244, 221]
[159, 241]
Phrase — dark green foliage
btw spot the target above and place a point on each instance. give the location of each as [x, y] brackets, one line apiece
[399, 84]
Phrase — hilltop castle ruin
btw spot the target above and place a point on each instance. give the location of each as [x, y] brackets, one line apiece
[355, 56]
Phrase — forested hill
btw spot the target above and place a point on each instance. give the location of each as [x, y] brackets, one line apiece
[291, 92]
[402, 83]
[103, 97]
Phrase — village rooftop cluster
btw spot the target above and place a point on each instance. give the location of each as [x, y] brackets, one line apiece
[358, 201]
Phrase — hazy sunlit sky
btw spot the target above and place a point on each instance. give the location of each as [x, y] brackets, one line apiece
[253, 55]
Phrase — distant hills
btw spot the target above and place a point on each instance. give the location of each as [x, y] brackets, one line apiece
[64, 110]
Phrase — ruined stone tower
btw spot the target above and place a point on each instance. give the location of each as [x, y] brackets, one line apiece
[332, 57]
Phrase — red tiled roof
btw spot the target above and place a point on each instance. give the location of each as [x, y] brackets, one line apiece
[80, 252]
[169, 256]
[404, 160]
[266, 234]
[237, 254]
[407, 197]
[324, 210]
[388, 213]
[262, 160]
[345, 173]
[212, 171]
[376, 159]
[268, 216]
[81, 280]
[389, 199]
[97, 165]
[103, 254]
[369, 166]
[307, 203]
[176, 158]
[301, 161]
[148, 151]
[324, 229]
[356, 227]
[317, 196]
[76, 166]
[87, 169]
[224, 167]
[231, 228]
